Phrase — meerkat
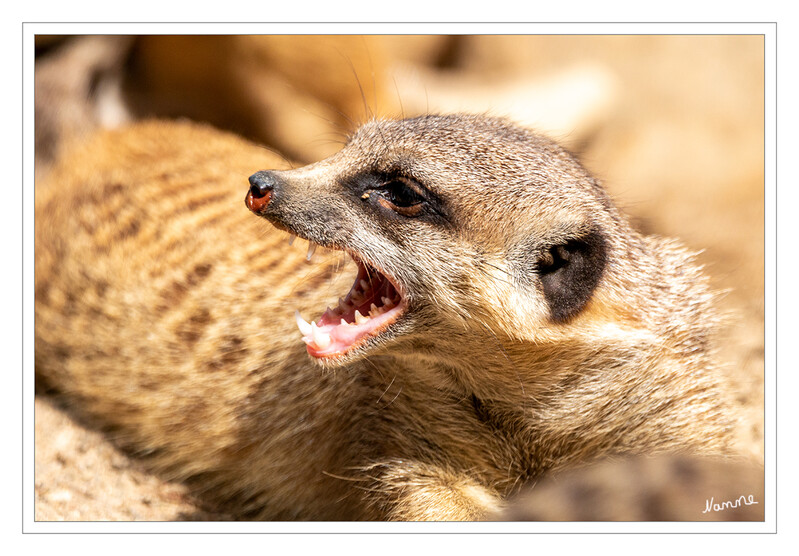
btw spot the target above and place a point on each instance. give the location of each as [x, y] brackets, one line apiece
[480, 315]
[669, 487]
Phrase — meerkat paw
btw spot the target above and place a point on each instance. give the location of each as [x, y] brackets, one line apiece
[412, 491]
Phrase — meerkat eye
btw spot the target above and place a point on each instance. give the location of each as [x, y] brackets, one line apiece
[402, 196]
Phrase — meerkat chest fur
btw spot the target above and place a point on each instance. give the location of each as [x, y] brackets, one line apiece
[504, 318]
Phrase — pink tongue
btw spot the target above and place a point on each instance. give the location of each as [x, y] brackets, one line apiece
[347, 335]
[344, 336]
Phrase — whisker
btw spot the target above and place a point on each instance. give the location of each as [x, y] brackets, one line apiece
[386, 390]
[394, 398]
[278, 153]
[484, 271]
[498, 268]
[368, 114]
[399, 98]
[372, 71]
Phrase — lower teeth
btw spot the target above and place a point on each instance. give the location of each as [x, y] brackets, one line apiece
[321, 339]
[359, 318]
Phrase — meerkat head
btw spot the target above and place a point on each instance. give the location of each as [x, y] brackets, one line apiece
[457, 224]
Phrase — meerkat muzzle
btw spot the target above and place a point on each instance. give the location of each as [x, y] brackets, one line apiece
[373, 303]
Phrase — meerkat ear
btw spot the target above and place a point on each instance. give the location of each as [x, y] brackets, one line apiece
[570, 272]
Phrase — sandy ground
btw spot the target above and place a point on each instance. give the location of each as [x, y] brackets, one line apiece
[677, 138]
[80, 476]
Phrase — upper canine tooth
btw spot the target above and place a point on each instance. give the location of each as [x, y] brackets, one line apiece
[321, 339]
[311, 249]
[329, 312]
[359, 318]
[292, 237]
[364, 285]
[304, 327]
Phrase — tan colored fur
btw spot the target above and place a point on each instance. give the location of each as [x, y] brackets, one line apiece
[164, 312]
[665, 488]
[290, 92]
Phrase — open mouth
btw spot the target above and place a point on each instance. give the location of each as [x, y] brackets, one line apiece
[371, 305]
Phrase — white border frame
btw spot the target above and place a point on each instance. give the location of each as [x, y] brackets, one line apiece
[768, 30]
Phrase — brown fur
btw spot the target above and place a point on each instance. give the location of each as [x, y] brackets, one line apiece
[665, 488]
[163, 311]
[78, 89]
[294, 93]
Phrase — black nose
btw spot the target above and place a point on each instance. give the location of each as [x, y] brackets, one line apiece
[262, 183]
